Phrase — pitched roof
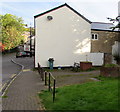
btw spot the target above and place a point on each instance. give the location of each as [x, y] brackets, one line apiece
[102, 26]
[61, 7]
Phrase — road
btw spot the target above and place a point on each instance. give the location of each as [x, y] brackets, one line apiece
[27, 62]
[8, 67]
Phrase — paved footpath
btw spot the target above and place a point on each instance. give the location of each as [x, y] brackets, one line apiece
[23, 92]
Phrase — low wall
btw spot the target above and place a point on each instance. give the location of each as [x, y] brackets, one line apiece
[107, 58]
[85, 65]
[110, 71]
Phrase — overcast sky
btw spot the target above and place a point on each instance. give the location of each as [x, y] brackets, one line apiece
[94, 10]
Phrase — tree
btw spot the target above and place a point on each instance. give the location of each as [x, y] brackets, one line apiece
[117, 19]
[116, 55]
[32, 30]
[12, 28]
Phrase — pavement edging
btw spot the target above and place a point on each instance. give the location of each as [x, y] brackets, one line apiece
[9, 82]
[19, 65]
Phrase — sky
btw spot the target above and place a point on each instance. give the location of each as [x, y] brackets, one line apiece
[93, 10]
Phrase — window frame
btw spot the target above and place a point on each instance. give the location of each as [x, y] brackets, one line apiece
[93, 36]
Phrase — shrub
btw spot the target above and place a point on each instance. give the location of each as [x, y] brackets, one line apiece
[111, 65]
[116, 57]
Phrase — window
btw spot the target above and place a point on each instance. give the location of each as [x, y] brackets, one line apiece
[94, 36]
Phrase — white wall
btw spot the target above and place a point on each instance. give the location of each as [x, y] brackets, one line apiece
[26, 47]
[66, 38]
[116, 48]
[97, 59]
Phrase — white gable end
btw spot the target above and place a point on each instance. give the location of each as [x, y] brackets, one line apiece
[66, 38]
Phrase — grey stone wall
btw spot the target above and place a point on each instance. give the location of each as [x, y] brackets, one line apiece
[105, 41]
[107, 58]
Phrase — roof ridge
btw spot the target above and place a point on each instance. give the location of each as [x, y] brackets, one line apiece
[103, 23]
[65, 4]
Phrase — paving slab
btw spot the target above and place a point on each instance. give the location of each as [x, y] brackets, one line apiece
[23, 92]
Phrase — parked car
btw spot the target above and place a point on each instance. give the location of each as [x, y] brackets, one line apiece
[22, 54]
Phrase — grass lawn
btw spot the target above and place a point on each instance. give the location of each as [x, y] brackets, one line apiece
[71, 69]
[102, 95]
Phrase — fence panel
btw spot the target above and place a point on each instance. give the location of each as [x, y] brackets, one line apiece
[97, 59]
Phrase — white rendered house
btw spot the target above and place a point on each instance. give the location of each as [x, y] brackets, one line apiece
[63, 34]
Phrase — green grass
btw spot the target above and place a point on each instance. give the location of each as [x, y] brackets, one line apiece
[102, 78]
[63, 76]
[91, 69]
[111, 65]
[71, 69]
[34, 69]
[51, 70]
[4, 96]
[101, 95]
